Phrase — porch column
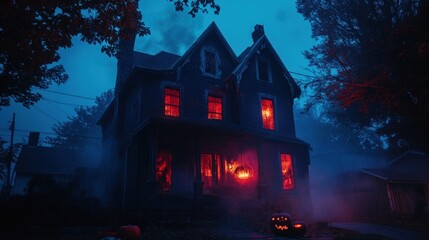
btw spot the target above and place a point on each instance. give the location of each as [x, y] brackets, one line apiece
[261, 188]
[198, 181]
[153, 149]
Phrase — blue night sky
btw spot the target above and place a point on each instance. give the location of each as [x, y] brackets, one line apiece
[92, 72]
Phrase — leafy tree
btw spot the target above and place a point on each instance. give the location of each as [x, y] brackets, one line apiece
[371, 67]
[32, 32]
[81, 129]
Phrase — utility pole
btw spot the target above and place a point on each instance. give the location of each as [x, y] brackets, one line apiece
[10, 158]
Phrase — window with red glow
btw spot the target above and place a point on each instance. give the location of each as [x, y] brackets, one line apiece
[210, 169]
[267, 110]
[171, 102]
[287, 171]
[163, 170]
[214, 108]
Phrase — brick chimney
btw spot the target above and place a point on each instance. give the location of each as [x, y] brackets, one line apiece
[125, 61]
[33, 139]
[258, 32]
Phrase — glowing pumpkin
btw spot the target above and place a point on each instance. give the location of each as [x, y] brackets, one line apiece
[299, 228]
[131, 232]
[281, 224]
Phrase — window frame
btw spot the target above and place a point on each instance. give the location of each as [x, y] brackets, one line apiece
[217, 73]
[274, 117]
[214, 112]
[292, 163]
[260, 59]
[170, 104]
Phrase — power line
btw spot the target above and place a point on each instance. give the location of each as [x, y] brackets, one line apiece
[67, 94]
[49, 133]
[64, 103]
[46, 114]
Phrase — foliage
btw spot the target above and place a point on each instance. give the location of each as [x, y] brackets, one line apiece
[371, 66]
[32, 32]
[82, 128]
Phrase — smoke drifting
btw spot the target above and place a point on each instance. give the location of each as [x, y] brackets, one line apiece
[175, 31]
[332, 159]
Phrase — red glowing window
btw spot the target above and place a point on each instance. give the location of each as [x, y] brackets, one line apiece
[163, 170]
[267, 108]
[210, 169]
[287, 171]
[214, 108]
[171, 102]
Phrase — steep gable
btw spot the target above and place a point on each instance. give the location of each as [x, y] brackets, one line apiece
[252, 52]
[212, 30]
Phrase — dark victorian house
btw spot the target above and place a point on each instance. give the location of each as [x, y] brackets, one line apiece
[205, 123]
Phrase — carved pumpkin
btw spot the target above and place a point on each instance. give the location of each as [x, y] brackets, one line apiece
[299, 228]
[131, 232]
[281, 224]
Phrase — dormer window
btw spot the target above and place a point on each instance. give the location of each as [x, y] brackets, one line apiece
[210, 62]
[263, 70]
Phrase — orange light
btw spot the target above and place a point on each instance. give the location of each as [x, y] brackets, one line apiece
[267, 111]
[287, 171]
[243, 172]
[280, 227]
[297, 225]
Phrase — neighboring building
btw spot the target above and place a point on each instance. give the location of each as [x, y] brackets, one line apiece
[399, 189]
[63, 165]
[205, 123]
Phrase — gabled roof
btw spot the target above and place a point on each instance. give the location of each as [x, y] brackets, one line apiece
[211, 28]
[160, 61]
[50, 160]
[392, 175]
[409, 155]
[249, 52]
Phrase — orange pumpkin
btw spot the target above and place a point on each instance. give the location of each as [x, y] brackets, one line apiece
[281, 224]
[130, 232]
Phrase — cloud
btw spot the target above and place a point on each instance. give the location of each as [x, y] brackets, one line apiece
[171, 31]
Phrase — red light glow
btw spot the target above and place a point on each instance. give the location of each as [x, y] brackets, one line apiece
[267, 110]
[171, 102]
[287, 171]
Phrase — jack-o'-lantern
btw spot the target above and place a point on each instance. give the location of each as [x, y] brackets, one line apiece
[281, 224]
[299, 228]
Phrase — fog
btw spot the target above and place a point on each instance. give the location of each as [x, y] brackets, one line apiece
[331, 159]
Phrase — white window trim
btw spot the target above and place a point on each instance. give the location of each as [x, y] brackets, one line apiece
[268, 69]
[211, 49]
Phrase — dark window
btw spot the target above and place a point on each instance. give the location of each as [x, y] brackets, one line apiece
[214, 108]
[287, 171]
[210, 62]
[171, 102]
[267, 111]
[263, 70]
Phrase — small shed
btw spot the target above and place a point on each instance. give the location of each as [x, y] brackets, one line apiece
[60, 163]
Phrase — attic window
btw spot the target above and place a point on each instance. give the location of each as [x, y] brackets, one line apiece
[171, 102]
[210, 62]
[267, 112]
[214, 108]
[262, 70]
[287, 171]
